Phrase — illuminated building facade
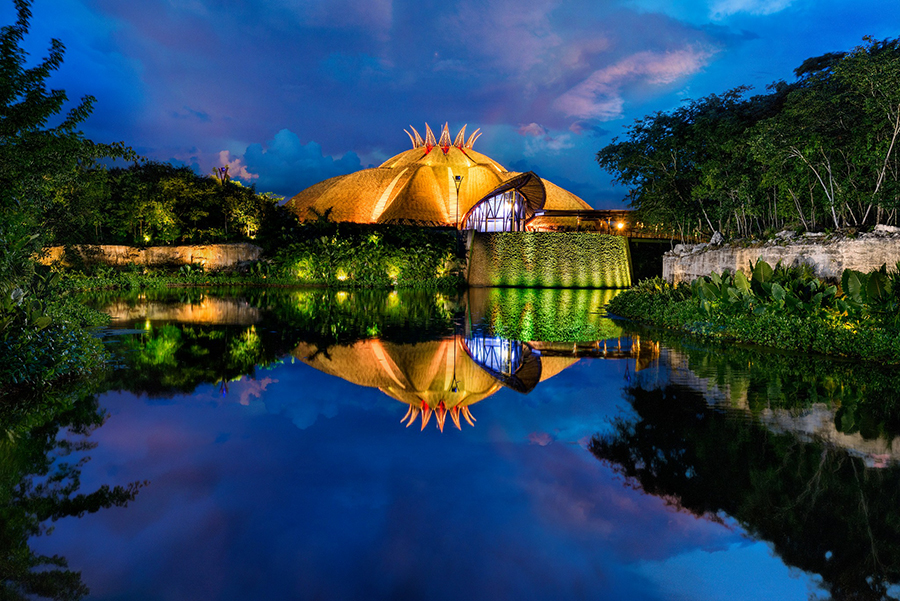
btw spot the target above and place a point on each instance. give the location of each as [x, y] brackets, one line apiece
[442, 182]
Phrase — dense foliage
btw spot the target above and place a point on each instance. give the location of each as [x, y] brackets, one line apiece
[156, 203]
[550, 259]
[783, 308]
[35, 158]
[820, 152]
[40, 338]
[353, 255]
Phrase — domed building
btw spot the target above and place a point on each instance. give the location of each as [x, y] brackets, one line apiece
[440, 182]
[439, 377]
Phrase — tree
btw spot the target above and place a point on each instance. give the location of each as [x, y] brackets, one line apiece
[822, 151]
[35, 159]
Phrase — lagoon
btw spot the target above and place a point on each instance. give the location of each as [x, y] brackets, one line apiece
[263, 428]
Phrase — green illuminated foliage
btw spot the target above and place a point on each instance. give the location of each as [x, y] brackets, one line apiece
[550, 260]
[353, 256]
[782, 308]
[543, 314]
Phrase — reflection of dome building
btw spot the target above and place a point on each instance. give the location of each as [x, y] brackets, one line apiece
[441, 377]
[439, 183]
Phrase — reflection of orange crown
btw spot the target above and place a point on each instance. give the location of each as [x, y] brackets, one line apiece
[440, 413]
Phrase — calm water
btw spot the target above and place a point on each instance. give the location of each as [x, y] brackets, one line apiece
[505, 444]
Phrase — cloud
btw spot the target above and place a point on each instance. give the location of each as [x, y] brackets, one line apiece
[586, 127]
[532, 129]
[720, 9]
[286, 166]
[236, 166]
[600, 95]
[548, 144]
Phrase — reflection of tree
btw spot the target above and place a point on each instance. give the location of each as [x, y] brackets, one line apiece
[866, 394]
[822, 509]
[327, 317]
[177, 357]
[39, 481]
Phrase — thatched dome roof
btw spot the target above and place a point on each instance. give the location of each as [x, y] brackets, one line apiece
[418, 186]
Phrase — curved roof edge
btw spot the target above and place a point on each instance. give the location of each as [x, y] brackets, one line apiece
[528, 184]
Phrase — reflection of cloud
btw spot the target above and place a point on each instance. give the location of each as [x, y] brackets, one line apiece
[540, 438]
[255, 388]
[572, 492]
[599, 96]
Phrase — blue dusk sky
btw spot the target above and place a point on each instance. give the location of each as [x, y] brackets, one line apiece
[290, 92]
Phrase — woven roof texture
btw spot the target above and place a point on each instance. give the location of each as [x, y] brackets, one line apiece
[418, 186]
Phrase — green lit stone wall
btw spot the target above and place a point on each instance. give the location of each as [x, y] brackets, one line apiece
[549, 260]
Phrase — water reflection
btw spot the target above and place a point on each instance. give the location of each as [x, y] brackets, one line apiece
[39, 484]
[823, 511]
[845, 404]
[801, 451]
[783, 448]
[395, 342]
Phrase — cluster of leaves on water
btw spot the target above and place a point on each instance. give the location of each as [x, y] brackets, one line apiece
[786, 308]
[820, 507]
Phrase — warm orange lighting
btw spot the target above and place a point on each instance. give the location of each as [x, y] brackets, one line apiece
[620, 225]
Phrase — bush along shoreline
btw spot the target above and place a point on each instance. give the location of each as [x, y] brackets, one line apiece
[783, 308]
[322, 254]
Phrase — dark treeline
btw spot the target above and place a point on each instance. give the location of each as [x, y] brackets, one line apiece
[819, 153]
[155, 203]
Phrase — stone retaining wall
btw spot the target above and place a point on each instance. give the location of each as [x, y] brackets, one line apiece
[211, 256]
[828, 258]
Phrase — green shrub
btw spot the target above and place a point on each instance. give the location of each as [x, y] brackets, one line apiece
[788, 309]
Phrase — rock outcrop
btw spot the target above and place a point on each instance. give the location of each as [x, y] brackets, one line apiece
[828, 256]
[210, 256]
